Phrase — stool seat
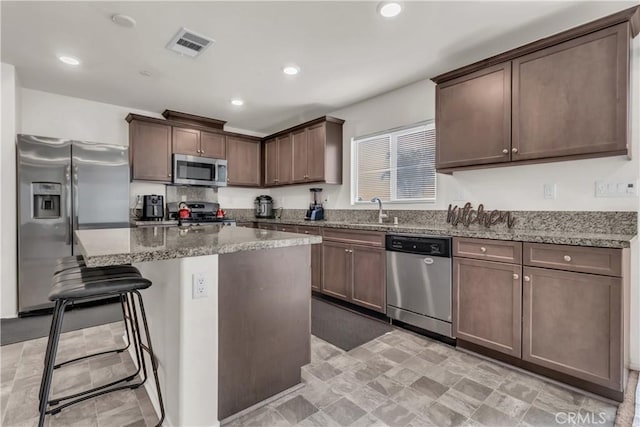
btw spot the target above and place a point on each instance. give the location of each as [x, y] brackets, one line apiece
[94, 273]
[115, 284]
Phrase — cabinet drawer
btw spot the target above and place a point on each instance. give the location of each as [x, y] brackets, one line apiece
[605, 261]
[490, 250]
[314, 231]
[370, 238]
[287, 228]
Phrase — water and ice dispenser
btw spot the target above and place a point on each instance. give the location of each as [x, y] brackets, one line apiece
[46, 199]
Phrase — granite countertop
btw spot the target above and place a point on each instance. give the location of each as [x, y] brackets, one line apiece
[126, 245]
[602, 240]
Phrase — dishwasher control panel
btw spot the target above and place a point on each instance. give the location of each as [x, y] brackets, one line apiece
[435, 246]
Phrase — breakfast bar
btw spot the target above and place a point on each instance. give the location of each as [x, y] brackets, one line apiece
[228, 310]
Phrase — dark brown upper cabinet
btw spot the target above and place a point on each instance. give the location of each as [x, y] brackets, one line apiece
[277, 164]
[243, 161]
[310, 152]
[213, 145]
[196, 143]
[572, 98]
[186, 141]
[149, 150]
[153, 141]
[559, 98]
[473, 115]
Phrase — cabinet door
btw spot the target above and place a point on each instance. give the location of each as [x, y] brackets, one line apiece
[284, 160]
[186, 141]
[487, 304]
[473, 118]
[271, 162]
[316, 144]
[369, 277]
[213, 145]
[572, 98]
[150, 146]
[336, 270]
[316, 257]
[572, 324]
[243, 162]
[299, 154]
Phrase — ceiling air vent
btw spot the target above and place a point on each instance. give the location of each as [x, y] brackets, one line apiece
[186, 42]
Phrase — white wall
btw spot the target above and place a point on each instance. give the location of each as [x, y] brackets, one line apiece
[516, 187]
[8, 246]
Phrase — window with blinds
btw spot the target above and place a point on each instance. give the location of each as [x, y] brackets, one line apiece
[397, 166]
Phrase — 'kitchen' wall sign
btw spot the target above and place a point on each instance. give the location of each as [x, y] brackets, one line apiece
[468, 216]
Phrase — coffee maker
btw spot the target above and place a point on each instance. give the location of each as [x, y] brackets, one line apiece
[152, 207]
[315, 211]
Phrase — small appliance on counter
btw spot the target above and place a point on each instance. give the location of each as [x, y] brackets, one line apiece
[197, 213]
[315, 211]
[152, 207]
[264, 206]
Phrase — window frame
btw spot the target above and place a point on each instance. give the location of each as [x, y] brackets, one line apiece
[393, 135]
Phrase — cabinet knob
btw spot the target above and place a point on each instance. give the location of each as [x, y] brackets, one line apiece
[527, 278]
[169, 175]
[306, 232]
[515, 276]
[483, 249]
[505, 151]
[346, 250]
[567, 258]
[514, 150]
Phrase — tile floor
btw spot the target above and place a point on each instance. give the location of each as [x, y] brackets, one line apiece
[21, 369]
[399, 379]
[402, 379]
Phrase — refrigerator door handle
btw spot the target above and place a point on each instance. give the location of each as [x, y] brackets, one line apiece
[68, 204]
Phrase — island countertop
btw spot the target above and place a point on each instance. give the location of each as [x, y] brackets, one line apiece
[116, 246]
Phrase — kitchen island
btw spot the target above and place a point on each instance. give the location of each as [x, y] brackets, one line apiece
[238, 337]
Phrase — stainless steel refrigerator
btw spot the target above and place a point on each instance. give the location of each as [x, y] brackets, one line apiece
[63, 186]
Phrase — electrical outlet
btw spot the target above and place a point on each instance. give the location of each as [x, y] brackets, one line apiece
[550, 191]
[200, 283]
[183, 198]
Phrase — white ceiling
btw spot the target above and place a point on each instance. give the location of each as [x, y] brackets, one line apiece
[347, 52]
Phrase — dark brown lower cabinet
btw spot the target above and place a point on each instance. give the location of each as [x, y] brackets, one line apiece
[487, 303]
[355, 273]
[336, 269]
[572, 324]
[369, 277]
[316, 257]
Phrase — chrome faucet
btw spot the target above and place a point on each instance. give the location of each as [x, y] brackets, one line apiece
[380, 214]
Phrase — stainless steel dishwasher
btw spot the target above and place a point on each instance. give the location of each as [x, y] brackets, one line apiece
[419, 274]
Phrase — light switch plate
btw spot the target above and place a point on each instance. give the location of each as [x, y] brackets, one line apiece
[616, 189]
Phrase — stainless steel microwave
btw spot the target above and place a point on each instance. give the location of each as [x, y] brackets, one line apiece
[193, 170]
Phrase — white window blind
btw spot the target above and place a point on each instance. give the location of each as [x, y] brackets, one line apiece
[397, 166]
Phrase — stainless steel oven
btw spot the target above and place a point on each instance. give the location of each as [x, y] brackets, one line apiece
[419, 281]
[193, 170]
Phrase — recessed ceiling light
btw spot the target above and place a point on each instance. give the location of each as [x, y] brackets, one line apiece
[69, 60]
[389, 9]
[237, 102]
[291, 70]
[124, 20]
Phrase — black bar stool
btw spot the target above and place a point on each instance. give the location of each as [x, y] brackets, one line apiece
[71, 264]
[77, 284]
